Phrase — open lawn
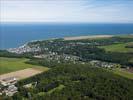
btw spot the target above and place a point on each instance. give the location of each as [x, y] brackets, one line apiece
[14, 64]
[117, 48]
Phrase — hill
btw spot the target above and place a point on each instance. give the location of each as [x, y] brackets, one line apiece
[80, 82]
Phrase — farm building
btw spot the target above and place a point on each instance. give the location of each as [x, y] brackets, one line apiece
[7, 86]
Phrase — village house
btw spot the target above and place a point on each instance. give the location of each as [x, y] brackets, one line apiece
[103, 64]
[7, 86]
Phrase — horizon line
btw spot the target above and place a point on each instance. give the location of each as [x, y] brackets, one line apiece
[69, 22]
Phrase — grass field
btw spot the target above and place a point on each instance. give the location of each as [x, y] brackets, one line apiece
[131, 60]
[126, 36]
[123, 73]
[117, 48]
[14, 64]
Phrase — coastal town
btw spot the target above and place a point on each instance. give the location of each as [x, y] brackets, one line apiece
[66, 49]
[49, 54]
[23, 49]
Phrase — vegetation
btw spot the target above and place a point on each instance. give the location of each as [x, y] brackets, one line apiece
[43, 62]
[5, 53]
[129, 45]
[75, 80]
[124, 47]
[123, 73]
[87, 53]
[85, 49]
[13, 64]
[79, 82]
[89, 49]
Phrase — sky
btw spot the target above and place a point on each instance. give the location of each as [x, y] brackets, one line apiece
[97, 11]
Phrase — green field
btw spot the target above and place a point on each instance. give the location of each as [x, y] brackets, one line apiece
[125, 36]
[117, 48]
[123, 73]
[13, 64]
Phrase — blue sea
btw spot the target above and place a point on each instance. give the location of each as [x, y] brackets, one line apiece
[16, 34]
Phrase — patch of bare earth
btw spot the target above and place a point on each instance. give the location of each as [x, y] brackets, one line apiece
[21, 74]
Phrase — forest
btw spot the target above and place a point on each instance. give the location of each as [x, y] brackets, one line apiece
[78, 81]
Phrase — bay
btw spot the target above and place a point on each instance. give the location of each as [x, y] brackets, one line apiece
[16, 34]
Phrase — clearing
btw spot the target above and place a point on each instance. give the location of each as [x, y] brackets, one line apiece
[14, 64]
[123, 72]
[117, 48]
[21, 74]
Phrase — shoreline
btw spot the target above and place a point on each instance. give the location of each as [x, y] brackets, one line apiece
[94, 36]
[88, 37]
[75, 38]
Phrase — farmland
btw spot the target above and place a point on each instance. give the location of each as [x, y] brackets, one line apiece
[123, 73]
[14, 64]
[117, 48]
[21, 74]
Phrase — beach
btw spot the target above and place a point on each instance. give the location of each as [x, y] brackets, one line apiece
[88, 37]
[15, 35]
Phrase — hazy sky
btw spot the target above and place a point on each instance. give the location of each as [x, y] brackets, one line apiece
[120, 11]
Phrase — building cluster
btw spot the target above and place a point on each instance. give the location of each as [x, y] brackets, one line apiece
[98, 63]
[7, 86]
[59, 58]
[45, 46]
[24, 49]
[30, 85]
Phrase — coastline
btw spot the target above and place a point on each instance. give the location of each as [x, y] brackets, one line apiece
[76, 38]
[18, 34]
[87, 37]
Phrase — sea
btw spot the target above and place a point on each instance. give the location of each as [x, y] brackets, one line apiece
[16, 34]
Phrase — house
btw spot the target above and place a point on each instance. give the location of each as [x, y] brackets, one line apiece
[8, 81]
[30, 85]
[7, 86]
[102, 64]
[10, 90]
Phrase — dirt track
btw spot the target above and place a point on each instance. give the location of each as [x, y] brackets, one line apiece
[21, 74]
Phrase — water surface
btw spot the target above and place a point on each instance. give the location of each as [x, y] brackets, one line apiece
[16, 34]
